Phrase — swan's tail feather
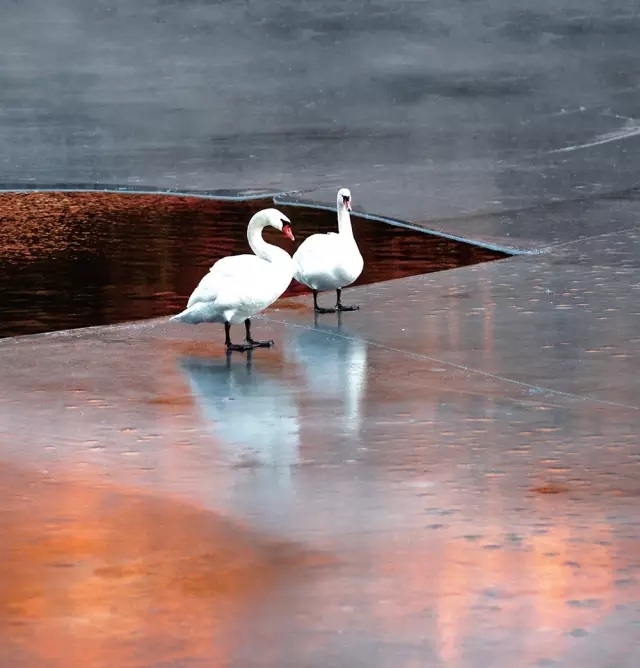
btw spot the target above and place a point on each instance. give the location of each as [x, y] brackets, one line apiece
[186, 316]
[195, 314]
[178, 317]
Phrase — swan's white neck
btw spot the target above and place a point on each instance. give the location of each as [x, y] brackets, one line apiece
[259, 246]
[344, 220]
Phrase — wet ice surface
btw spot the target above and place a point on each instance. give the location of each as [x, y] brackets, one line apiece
[467, 455]
[452, 471]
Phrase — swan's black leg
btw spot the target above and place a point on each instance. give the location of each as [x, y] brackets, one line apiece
[319, 309]
[239, 347]
[227, 334]
[250, 342]
[341, 307]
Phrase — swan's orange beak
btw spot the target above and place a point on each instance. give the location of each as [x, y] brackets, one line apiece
[286, 230]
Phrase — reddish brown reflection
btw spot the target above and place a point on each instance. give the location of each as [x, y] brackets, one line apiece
[78, 259]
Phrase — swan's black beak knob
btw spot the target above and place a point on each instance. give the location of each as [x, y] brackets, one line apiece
[347, 203]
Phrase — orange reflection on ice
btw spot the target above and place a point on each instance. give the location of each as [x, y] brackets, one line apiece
[96, 576]
[550, 581]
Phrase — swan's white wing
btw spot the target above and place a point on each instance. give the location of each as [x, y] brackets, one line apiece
[316, 243]
[317, 252]
[241, 284]
[226, 278]
[233, 264]
[327, 262]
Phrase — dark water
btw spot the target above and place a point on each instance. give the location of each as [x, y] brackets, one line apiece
[77, 259]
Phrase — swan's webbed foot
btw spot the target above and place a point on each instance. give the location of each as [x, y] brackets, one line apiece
[340, 307]
[319, 309]
[239, 347]
[258, 344]
[249, 343]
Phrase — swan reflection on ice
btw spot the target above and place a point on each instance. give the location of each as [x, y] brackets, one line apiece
[255, 419]
[335, 367]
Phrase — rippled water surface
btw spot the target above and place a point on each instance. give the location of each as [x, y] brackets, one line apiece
[78, 259]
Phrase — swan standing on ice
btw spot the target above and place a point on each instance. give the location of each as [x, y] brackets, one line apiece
[330, 261]
[239, 286]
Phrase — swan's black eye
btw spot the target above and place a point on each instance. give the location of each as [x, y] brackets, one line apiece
[345, 199]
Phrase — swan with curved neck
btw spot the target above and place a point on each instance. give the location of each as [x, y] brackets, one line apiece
[240, 286]
[330, 261]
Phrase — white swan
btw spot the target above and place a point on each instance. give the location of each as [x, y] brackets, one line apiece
[239, 286]
[330, 261]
